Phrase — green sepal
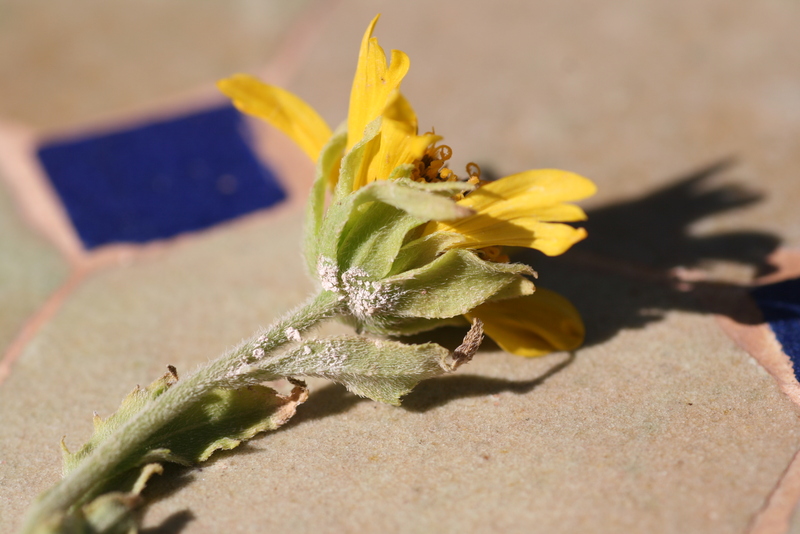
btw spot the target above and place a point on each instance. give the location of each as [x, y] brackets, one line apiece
[402, 172]
[345, 200]
[372, 241]
[451, 285]
[520, 287]
[356, 211]
[423, 251]
[358, 156]
[330, 156]
[417, 201]
[448, 189]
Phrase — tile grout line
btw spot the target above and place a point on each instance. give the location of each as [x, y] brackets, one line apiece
[39, 318]
[776, 513]
[759, 342]
[297, 43]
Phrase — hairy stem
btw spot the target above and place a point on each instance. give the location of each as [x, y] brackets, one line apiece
[120, 449]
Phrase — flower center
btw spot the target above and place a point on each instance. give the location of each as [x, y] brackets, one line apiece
[432, 167]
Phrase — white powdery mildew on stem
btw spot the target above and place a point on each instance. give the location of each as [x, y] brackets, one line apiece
[331, 360]
[292, 334]
[328, 274]
[240, 370]
[367, 298]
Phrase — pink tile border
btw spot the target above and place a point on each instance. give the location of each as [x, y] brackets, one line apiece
[761, 344]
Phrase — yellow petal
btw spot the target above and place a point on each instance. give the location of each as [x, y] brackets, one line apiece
[479, 231]
[282, 109]
[533, 325]
[534, 189]
[528, 206]
[399, 143]
[522, 210]
[373, 83]
[399, 109]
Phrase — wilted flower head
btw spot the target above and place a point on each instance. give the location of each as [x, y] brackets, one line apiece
[407, 243]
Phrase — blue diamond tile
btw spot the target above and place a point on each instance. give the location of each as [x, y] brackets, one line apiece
[160, 179]
[780, 304]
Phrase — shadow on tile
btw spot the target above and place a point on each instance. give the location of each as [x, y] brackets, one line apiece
[329, 400]
[623, 275]
[172, 480]
[654, 230]
[173, 524]
[437, 392]
[334, 399]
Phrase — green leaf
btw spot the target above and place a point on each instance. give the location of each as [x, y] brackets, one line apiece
[379, 369]
[111, 513]
[329, 157]
[452, 285]
[219, 420]
[408, 326]
[132, 404]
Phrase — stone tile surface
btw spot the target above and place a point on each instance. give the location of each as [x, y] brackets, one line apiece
[684, 113]
[30, 271]
[81, 61]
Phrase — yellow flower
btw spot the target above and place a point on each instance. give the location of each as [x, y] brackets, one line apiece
[375, 93]
[523, 210]
[533, 325]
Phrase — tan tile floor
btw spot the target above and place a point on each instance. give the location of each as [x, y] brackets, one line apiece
[662, 423]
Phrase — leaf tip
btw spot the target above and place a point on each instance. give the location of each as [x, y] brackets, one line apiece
[173, 373]
[464, 352]
[299, 392]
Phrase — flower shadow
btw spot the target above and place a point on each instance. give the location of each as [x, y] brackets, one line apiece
[172, 524]
[642, 258]
[327, 401]
[437, 392]
[174, 479]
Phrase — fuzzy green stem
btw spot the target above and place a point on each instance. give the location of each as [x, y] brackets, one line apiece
[114, 452]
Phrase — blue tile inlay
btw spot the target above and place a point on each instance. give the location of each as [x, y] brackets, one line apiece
[161, 179]
[780, 304]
